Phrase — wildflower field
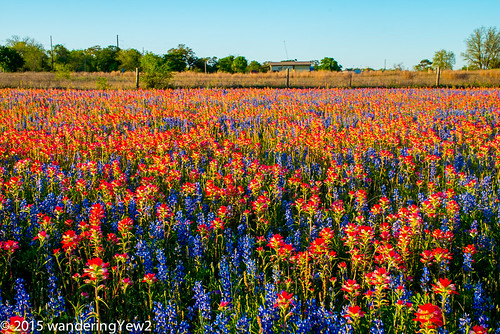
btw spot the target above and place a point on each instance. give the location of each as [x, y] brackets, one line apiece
[250, 211]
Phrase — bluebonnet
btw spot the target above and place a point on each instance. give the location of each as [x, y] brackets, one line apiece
[222, 323]
[22, 298]
[156, 230]
[162, 265]
[243, 324]
[182, 228]
[467, 202]
[225, 279]
[377, 327]
[86, 316]
[196, 247]
[424, 281]
[202, 300]
[267, 313]
[179, 275]
[467, 265]
[144, 253]
[165, 319]
[245, 244]
[189, 205]
[480, 303]
[5, 309]
[56, 300]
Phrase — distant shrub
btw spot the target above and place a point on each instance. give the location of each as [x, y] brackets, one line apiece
[63, 71]
[102, 83]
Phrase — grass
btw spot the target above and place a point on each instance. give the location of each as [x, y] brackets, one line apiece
[118, 80]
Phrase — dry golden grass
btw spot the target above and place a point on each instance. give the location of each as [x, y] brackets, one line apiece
[322, 79]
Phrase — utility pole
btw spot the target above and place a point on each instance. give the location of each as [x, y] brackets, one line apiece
[117, 44]
[286, 51]
[51, 53]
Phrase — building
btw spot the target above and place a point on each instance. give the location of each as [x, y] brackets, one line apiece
[298, 66]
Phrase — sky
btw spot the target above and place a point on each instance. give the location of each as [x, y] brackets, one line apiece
[355, 33]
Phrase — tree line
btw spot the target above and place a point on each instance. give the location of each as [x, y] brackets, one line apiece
[482, 52]
[26, 54]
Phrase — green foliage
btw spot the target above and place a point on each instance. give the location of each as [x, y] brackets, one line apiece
[10, 59]
[63, 71]
[424, 65]
[239, 65]
[254, 66]
[329, 64]
[102, 83]
[33, 53]
[443, 59]
[106, 59]
[156, 72]
[212, 64]
[483, 48]
[61, 55]
[129, 59]
[181, 58]
[226, 64]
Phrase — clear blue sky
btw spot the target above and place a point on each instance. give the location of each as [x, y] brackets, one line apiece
[355, 33]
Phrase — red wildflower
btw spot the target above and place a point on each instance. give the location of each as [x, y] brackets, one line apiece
[16, 325]
[149, 278]
[10, 246]
[283, 300]
[69, 241]
[444, 287]
[97, 270]
[478, 330]
[470, 249]
[429, 316]
[351, 287]
[353, 313]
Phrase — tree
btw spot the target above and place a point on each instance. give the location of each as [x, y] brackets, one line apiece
[81, 61]
[239, 65]
[483, 48]
[129, 59]
[226, 64]
[254, 66]
[10, 59]
[329, 64]
[90, 58]
[156, 71]
[424, 65]
[61, 55]
[443, 59]
[212, 64]
[33, 53]
[181, 58]
[106, 59]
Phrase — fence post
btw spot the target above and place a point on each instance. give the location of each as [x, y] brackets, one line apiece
[288, 78]
[438, 74]
[137, 78]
